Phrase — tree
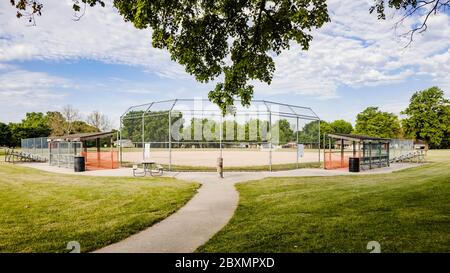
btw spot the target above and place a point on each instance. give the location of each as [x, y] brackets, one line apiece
[235, 39]
[5, 135]
[428, 117]
[132, 126]
[257, 130]
[411, 7]
[56, 122]
[79, 126]
[36, 124]
[375, 123]
[99, 121]
[285, 133]
[310, 132]
[341, 126]
[156, 125]
[70, 115]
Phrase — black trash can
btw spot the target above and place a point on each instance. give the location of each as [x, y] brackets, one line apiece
[79, 164]
[353, 164]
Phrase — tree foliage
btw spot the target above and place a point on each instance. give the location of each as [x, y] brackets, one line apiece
[375, 123]
[33, 125]
[56, 122]
[79, 126]
[37, 124]
[284, 130]
[341, 126]
[156, 126]
[410, 8]
[428, 117]
[156, 129]
[232, 39]
[5, 135]
[310, 132]
[99, 121]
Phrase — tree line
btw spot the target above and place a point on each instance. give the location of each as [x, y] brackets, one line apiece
[53, 123]
[427, 118]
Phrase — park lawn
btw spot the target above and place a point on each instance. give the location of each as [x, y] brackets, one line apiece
[42, 212]
[407, 211]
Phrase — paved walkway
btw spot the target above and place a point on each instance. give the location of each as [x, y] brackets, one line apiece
[194, 224]
[205, 214]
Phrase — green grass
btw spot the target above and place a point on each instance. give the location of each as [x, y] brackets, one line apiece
[407, 211]
[42, 212]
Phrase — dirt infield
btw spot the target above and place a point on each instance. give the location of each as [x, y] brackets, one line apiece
[232, 158]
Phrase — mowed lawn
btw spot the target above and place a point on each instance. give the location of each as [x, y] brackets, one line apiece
[42, 212]
[407, 211]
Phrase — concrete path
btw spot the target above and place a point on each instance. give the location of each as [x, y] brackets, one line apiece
[205, 214]
[194, 224]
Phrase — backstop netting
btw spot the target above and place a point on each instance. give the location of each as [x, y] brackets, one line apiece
[190, 134]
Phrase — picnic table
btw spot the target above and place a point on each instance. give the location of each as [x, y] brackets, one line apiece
[149, 167]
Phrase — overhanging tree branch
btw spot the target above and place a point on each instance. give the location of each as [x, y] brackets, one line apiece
[411, 8]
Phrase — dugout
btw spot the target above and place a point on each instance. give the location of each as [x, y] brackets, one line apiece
[373, 152]
[97, 149]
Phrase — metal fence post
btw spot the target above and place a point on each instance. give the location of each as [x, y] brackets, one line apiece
[221, 135]
[170, 140]
[59, 157]
[324, 151]
[49, 153]
[297, 143]
[143, 137]
[270, 143]
[319, 144]
[120, 140]
[69, 148]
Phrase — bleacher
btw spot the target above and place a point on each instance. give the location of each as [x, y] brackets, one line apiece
[412, 156]
[13, 156]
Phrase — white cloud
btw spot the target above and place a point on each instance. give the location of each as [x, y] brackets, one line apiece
[358, 50]
[21, 87]
[101, 35]
[22, 91]
[355, 49]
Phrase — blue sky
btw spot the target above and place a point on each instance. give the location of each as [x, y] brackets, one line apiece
[102, 63]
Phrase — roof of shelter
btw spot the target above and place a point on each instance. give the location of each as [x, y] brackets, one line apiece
[353, 137]
[81, 136]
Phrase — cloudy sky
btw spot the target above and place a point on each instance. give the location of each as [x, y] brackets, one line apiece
[102, 63]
